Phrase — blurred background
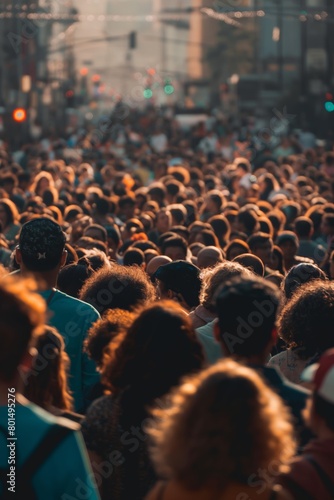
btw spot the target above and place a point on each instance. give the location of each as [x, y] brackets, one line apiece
[64, 63]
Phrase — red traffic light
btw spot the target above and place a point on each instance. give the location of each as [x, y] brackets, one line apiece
[19, 115]
[329, 96]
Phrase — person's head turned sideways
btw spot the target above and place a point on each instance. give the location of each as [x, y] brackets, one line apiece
[41, 246]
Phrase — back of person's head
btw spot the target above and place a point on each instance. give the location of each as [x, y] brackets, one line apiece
[247, 310]
[182, 278]
[41, 244]
[227, 408]
[208, 238]
[22, 314]
[96, 259]
[257, 240]
[209, 257]
[236, 247]
[221, 228]
[104, 331]
[89, 243]
[304, 227]
[215, 278]
[248, 221]
[307, 319]
[134, 257]
[46, 385]
[156, 351]
[96, 232]
[300, 274]
[179, 213]
[251, 262]
[118, 287]
[71, 278]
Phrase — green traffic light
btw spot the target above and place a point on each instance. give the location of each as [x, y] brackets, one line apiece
[169, 89]
[148, 93]
[329, 106]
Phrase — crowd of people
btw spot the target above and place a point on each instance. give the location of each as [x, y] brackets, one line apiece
[167, 312]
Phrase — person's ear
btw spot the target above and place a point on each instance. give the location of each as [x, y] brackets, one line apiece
[63, 258]
[18, 256]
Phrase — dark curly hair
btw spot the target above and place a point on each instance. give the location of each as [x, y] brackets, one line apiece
[307, 319]
[104, 331]
[118, 287]
[158, 349]
[300, 274]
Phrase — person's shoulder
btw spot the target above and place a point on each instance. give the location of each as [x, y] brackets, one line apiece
[78, 306]
[102, 404]
[42, 417]
[276, 376]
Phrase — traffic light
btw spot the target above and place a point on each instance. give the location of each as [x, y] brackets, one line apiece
[70, 98]
[19, 115]
[148, 94]
[133, 40]
[169, 87]
[329, 102]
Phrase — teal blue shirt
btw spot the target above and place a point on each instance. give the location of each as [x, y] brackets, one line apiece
[66, 473]
[211, 347]
[73, 318]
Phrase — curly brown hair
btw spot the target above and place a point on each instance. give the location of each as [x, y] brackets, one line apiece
[214, 278]
[307, 319]
[157, 350]
[221, 426]
[104, 331]
[118, 287]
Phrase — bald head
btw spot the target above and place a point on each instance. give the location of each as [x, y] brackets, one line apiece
[209, 257]
[157, 262]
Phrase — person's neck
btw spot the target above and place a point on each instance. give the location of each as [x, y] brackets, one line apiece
[46, 280]
[255, 360]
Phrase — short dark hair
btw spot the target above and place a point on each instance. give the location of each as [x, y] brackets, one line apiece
[247, 309]
[303, 227]
[133, 256]
[249, 219]
[176, 241]
[258, 239]
[41, 243]
[98, 227]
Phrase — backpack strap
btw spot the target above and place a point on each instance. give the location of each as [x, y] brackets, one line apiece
[54, 436]
[325, 478]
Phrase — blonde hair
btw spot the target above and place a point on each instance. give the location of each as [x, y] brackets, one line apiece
[221, 426]
[215, 277]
